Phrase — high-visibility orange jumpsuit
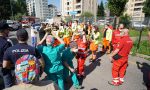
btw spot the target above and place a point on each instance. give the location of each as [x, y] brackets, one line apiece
[115, 38]
[81, 57]
[120, 65]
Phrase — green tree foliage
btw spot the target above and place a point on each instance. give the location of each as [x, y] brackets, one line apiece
[5, 9]
[101, 8]
[87, 14]
[146, 8]
[117, 8]
[15, 7]
[98, 10]
[68, 19]
[126, 20]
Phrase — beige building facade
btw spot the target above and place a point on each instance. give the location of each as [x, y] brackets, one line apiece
[134, 9]
[77, 7]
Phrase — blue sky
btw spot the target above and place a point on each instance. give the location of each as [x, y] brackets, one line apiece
[57, 2]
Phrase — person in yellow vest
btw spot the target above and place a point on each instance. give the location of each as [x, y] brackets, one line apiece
[75, 25]
[94, 42]
[66, 36]
[107, 38]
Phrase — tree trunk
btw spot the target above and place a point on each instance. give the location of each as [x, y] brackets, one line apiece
[117, 22]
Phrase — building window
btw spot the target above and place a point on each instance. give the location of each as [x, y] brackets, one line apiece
[78, 1]
[137, 9]
[138, 4]
[67, 8]
[78, 6]
[78, 12]
[67, 3]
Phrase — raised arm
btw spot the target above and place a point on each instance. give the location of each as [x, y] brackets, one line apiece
[57, 37]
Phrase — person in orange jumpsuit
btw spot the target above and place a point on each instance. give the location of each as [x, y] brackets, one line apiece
[107, 38]
[116, 36]
[94, 43]
[81, 54]
[119, 58]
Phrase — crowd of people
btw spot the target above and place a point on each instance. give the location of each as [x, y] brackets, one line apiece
[22, 65]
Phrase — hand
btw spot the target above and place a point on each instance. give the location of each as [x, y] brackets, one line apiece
[39, 43]
[112, 60]
[72, 70]
[53, 33]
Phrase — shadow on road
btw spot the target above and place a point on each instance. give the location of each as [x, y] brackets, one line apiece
[145, 69]
[92, 66]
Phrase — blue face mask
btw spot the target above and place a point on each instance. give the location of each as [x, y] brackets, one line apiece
[52, 42]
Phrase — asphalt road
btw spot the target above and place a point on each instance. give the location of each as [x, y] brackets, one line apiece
[99, 73]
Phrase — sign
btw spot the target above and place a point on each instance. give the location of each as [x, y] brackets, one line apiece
[73, 13]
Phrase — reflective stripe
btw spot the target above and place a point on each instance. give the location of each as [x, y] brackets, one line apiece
[82, 52]
[81, 48]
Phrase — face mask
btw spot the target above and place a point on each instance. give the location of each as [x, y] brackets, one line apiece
[75, 50]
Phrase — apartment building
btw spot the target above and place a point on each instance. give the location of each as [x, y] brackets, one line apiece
[134, 9]
[77, 7]
[52, 10]
[38, 8]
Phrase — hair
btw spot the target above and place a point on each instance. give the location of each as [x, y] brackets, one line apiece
[22, 35]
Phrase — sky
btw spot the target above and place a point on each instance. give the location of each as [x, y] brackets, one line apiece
[57, 2]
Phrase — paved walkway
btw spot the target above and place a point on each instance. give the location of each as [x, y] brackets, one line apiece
[99, 73]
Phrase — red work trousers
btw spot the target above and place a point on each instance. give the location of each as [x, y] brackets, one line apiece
[119, 67]
[114, 46]
[80, 66]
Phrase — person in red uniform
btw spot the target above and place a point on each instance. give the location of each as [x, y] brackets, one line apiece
[81, 54]
[116, 36]
[119, 58]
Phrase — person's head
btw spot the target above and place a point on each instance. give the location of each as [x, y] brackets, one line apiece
[74, 47]
[50, 40]
[126, 32]
[43, 25]
[22, 35]
[106, 26]
[27, 69]
[95, 28]
[4, 29]
[121, 26]
[76, 22]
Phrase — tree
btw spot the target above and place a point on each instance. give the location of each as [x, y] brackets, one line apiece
[98, 10]
[87, 14]
[117, 7]
[146, 8]
[5, 9]
[126, 20]
[68, 19]
[101, 8]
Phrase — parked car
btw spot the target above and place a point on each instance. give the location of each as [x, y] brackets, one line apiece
[37, 26]
[13, 24]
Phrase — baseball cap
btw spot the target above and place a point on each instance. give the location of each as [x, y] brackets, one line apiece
[3, 26]
[22, 34]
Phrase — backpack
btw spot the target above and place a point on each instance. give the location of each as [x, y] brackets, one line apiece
[27, 68]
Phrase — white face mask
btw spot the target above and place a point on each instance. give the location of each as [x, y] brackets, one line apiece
[74, 50]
